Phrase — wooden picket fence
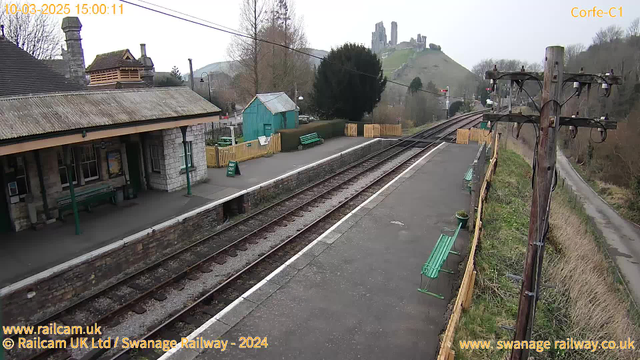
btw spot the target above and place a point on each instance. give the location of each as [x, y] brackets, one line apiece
[465, 293]
[377, 130]
[351, 130]
[220, 156]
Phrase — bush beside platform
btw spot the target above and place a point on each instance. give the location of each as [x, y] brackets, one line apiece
[325, 129]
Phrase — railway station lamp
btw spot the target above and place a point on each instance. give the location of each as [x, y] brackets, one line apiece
[208, 83]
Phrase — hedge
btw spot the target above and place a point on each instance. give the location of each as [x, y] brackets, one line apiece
[290, 138]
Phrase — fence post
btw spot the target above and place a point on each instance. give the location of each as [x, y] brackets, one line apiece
[469, 295]
[474, 195]
[217, 155]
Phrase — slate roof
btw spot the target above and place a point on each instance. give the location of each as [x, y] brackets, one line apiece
[24, 116]
[276, 102]
[112, 60]
[21, 73]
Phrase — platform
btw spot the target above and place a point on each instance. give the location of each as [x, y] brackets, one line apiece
[29, 252]
[353, 292]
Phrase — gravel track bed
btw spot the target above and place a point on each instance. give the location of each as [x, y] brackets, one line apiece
[94, 309]
[134, 325]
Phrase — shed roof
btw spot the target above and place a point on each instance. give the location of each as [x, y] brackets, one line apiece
[276, 102]
[114, 59]
[24, 116]
[21, 73]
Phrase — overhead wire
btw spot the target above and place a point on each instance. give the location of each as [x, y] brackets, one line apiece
[234, 32]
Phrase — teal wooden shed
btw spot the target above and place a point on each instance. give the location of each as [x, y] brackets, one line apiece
[268, 113]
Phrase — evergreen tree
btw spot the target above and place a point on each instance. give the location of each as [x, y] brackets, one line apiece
[349, 82]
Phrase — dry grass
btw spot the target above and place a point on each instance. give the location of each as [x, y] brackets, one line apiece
[598, 308]
[588, 301]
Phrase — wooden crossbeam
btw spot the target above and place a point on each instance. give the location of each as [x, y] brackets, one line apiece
[564, 120]
[568, 77]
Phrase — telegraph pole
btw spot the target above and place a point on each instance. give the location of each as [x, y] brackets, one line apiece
[548, 123]
[541, 200]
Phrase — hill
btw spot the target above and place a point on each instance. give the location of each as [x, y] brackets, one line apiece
[430, 65]
[227, 67]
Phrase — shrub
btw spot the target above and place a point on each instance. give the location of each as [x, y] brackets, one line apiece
[290, 138]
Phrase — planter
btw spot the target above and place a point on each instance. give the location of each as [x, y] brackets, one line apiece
[462, 220]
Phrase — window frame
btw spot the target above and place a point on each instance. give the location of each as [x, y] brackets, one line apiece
[92, 150]
[22, 178]
[66, 172]
[189, 153]
[155, 152]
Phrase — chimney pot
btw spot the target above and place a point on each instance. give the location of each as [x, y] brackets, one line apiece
[143, 50]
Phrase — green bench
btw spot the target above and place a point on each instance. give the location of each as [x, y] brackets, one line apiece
[225, 141]
[86, 198]
[467, 178]
[438, 256]
[309, 139]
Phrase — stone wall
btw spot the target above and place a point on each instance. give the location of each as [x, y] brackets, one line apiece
[35, 298]
[174, 166]
[305, 177]
[50, 172]
[93, 272]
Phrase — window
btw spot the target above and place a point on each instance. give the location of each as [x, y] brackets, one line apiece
[62, 169]
[88, 162]
[189, 155]
[20, 184]
[156, 157]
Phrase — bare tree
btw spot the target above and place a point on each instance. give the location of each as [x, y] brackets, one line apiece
[571, 53]
[38, 34]
[609, 34]
[246, 52]
[290, 70]
[634, 28]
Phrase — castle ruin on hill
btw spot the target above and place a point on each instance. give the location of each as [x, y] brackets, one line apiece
[379, 41]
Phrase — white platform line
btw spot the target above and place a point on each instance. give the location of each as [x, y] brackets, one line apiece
[275, 272]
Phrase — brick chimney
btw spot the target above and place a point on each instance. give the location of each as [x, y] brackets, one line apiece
[149, 70]
[74, 56]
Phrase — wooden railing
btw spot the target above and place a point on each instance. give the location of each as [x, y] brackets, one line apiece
[465, 293]
[220, 156]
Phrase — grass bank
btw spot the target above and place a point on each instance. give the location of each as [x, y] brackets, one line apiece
[585, 299]
[620, 198]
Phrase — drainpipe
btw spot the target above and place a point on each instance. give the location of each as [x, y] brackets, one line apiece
[186, 158]
[67, 161]
[43, 190]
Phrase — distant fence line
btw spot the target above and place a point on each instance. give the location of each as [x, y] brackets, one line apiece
[220, 156]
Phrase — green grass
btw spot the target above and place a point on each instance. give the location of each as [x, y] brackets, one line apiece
[501, 252]
[575, 254]
[395, 60]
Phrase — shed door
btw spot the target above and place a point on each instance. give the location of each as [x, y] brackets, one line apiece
[267, 130]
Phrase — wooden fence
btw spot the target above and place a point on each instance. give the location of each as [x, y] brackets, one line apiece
[351, 130]
[462, 136]
[220, 156]
[465, 293]
[377, 130]
[479, 135]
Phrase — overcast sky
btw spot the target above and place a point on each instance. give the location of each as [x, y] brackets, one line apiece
[467, 30]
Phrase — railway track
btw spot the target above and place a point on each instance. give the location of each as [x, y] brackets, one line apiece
[111, 306]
